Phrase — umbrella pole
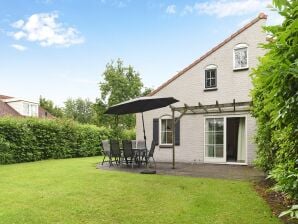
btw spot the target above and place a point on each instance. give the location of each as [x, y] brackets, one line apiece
[117, 122]
[144, 130]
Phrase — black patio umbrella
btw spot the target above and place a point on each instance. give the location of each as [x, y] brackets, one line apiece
[140, 105]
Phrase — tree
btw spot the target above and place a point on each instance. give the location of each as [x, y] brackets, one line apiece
[275, 101]
[79, 110]
[49, 106]
[120, 83]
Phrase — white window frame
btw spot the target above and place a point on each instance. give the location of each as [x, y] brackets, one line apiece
[237, 47]
[25, 105]
[165, 117]
[225, 134]
[215, 159]
[210, 67]
[30, 109]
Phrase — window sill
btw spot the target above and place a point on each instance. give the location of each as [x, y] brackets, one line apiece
[210, 89]
[240, 69]
[165, 146]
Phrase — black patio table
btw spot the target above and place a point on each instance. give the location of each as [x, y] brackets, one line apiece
[139, 151]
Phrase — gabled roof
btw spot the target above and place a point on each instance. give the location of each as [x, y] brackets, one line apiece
[260, 16]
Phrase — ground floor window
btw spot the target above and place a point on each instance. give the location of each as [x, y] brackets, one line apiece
[166, 132]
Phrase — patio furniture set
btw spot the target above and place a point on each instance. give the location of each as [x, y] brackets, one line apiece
[130, 153]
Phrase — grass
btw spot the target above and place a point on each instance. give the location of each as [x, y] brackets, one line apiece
[73, 191]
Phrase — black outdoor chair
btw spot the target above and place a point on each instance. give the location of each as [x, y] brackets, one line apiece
[128, 153]
[106, 150]
[150, 155]
[115, 152]
[141, 146]
[134, 144]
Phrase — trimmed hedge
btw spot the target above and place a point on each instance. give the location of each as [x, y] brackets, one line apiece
[30, 139]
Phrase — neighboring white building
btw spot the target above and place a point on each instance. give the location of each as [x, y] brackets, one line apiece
[11, 106]
[23, 107]
[216, 135]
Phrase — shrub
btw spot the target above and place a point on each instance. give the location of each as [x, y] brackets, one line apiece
[30, 139]
[6, 155]
[128, 134]
[275, 101]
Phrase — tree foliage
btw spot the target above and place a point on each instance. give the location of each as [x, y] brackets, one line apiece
[120, 83]
[49, 106]
[275, 101]
[80, 110]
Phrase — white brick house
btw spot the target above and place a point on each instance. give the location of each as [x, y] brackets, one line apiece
[222, 75]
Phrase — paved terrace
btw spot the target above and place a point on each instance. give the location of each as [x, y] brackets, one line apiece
[233, 172]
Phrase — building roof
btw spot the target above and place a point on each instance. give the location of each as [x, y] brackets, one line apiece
[42, 113]
[260, 16]
[3, 97]
[5, 109]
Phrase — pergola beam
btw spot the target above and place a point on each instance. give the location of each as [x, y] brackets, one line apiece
[204, 108]
[233, 107]
[217, 104]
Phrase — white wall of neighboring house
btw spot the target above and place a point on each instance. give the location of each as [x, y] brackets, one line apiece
[25, 108]
[189, 88]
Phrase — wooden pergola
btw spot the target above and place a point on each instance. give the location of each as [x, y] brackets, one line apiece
[205, 109]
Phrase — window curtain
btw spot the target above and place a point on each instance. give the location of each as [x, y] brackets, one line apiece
[241, 150]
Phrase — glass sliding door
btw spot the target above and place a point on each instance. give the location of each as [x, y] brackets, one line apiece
[214, 140]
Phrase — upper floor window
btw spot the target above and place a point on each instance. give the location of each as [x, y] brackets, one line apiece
[26, 108]
[210, 76]
[30, 109]
[240, 56]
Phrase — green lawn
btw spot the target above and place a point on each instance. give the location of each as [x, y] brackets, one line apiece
[73, 191]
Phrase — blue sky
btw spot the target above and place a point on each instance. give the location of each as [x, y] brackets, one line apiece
[59, 48]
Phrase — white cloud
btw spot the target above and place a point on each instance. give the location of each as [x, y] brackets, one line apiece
[116, 3]
[224, 8]
[171, 9]
[44, 29]
[19, 47]
[188, 9]
[18, 24]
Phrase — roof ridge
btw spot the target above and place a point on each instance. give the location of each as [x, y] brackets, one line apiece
[255, 20]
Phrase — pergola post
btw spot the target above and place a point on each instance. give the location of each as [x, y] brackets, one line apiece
[173, 136]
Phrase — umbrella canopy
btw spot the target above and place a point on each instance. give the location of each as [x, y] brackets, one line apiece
[140, 105]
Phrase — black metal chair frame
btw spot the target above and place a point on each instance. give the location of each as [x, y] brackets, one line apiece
[150, 154]
[128, 156]
[106, 153]
[115, 152]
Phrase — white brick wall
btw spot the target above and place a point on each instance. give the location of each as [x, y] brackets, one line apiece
[189, 88]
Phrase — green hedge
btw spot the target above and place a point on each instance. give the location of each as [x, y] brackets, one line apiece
[29, 139]
[275, 101]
